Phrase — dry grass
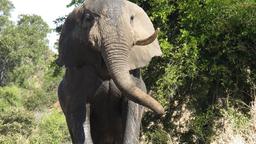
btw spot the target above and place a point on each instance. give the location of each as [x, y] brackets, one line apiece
[233, 133]
[233, 127]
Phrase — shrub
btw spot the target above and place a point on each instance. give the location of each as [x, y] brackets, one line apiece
[10, 96]
[15, 124]
[38, 99]
[52, 129]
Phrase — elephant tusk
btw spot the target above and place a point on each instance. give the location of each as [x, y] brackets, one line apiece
[148, 40]
[87, 126]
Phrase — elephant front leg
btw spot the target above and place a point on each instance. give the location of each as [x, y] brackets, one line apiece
[75, 90]
[79, 125]
[133, 121]
[75, 121]
[74, 110]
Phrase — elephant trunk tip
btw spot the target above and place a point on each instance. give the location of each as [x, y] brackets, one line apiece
[135, 94]
[148, 101]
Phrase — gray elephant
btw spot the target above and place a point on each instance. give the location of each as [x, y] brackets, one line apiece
[103, 45]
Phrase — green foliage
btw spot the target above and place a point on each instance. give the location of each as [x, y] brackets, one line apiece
[5, 9]
[205, 125]
[226, 42]
[38, 100]
[10, 97]
[26, 61]
[75, 3]
[28, 82]
[15, 124]
[23, 49]
[209, 54]
[202, 124]
[32, 51]
[52, 129]
[158, 136]
[238, 120]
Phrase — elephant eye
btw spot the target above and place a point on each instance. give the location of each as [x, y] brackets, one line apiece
[131, 19]
[87, 17]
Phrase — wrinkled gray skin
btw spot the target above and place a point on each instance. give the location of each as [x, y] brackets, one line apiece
[97, 47]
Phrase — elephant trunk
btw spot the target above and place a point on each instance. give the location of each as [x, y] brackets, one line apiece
[115, 54]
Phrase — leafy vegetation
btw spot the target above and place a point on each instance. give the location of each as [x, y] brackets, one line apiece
[206, 78]
[208, 62]
[52, 129]
[28, 82]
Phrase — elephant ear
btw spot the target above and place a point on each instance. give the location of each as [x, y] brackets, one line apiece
[140, 56]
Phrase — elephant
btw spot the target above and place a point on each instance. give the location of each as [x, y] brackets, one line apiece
[103, 45]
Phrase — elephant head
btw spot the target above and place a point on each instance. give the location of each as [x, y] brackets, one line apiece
[117, 31]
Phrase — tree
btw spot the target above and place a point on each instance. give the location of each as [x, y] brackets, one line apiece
[5, 9]
[75, 3]
[209, 56]
[23, 47]
[28, 84]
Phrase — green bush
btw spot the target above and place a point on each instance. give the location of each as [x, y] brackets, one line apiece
[13, 139]
[10, 96]
[240, 121]
[39, 100]
[51, 130]
[208, 56]
[158, 136]
[202, 124]
[15, 124]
